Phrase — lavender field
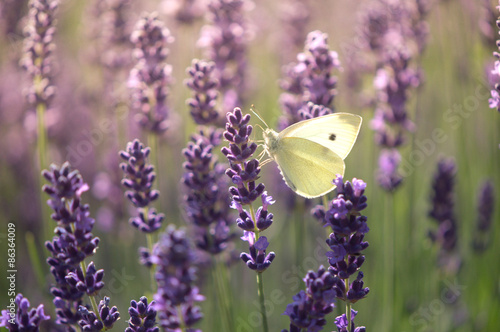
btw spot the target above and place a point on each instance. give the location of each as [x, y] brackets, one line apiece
[137, 195]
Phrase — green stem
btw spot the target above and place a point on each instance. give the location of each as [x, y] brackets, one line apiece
[223, 295]
[35, 259]
[181, 318]
[260, 283]
[42, 163]
[389, 262]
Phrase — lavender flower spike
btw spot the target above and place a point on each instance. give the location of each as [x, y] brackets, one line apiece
[72, 243]
[24, 319]
[442, 211]
[225, 41]
[176, 275]
[495, 96]
[207, 205]
[485, 209]
[138, 179]
[309, 81]
[142, 316]
[310, 307]
[205, 86]
[150, 77]
[38, 49]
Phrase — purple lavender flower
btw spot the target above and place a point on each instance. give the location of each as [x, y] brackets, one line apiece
[391, 118]
[142, 316]
[342, 326]
[207, 205]
[244, 173]
[89, 282]
[105, 320]
[204, 84]
[257, 260]
[25, 319]
[485, 210]
[294, 16]
[184, 11]
[71, 245]
[442, 204]
[394, 34]
[494, 101]
[225, 41]
[485, 23]
[109, 24]
[150, 77]
[346, 241]
[138, 178]
[175, 275]
[38, 50]
[388, 176]
[310, 307]
[309, 80]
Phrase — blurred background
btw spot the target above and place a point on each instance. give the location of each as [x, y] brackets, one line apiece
[415, 284]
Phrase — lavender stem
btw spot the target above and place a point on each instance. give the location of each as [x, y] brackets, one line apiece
[260, 283]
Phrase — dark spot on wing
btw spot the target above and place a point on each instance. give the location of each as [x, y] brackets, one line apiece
[332, 137]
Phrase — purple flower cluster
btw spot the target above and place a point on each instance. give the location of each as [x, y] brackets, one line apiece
[175, 275]
[244, 172]
[184, 11]
[294, 16]
[485, 210]
[149, 79]
[394, 34]
[25, 319]
[138, 179]
[142, 316]
[309, 80]
[342, 326]
[205, 85]
[207, 203]
[442, 204]
[309, 307]
[225, 42]
[347, 238]
[442, 211]
[71, 245]
[38, 50]
[110, 26]
[73, 241]
[105, 319]
[495, 96]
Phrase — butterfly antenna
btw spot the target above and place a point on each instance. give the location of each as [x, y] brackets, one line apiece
[265, 162]
[252, 108]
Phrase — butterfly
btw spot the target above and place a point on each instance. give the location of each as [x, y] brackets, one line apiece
[311, 153]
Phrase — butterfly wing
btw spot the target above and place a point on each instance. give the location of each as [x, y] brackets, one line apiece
[308, 168]
[337, 131]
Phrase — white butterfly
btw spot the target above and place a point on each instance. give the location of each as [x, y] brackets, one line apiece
[311, 153]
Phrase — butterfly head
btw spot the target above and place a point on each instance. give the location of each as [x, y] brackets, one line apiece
[271, 140]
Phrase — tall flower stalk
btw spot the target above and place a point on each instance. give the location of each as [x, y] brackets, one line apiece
[346, 242]
[244, 171]
[310, 81]
[485, 210]
[139, 177]
[149, 79]
[225, 41]
[39, 64]
[206, 202]
[72, 244]
[176, 275]
[442, 211]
